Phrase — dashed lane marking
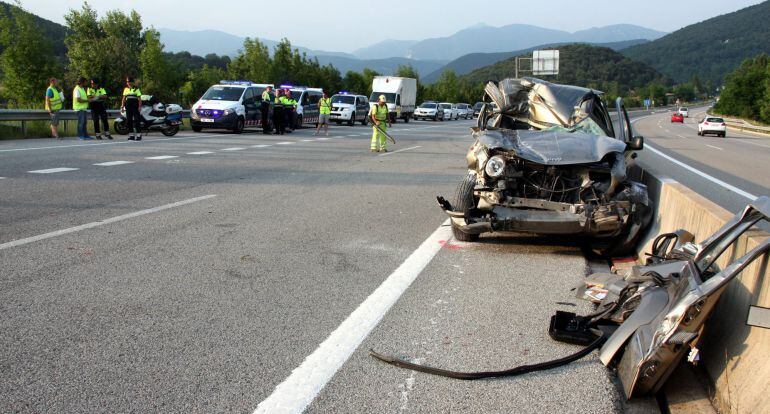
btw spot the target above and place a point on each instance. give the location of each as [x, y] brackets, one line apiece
[308, 140]
[53, 170]
[261, 146]
[233, 149]
[401, 150]
[295, 393]
[285, 143]
[200, 153]
[162, 157]
[714, 147]
[21, 242]
[95, 144]
[113, 163]
[324, 139]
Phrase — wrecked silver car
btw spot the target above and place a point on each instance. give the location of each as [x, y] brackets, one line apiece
[550, 161]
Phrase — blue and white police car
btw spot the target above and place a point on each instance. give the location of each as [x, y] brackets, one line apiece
[233, 105]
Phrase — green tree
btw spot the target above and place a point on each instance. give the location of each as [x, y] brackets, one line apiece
[368, 75]
[354, 82]
[158, 78]
[27, 60]
[743, 94]
[198, 81]
[106, 48]
[282, 60]
[252, 63]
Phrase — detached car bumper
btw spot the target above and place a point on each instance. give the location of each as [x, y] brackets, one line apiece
[541, 217]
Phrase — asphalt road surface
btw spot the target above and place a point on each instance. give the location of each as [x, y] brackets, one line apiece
[730, 171]
[231, 273]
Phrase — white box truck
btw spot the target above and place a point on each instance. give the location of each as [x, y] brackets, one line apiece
[400, 93]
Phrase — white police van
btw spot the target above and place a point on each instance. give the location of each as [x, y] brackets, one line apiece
[350, 108]
[232, 105]
[308, 107]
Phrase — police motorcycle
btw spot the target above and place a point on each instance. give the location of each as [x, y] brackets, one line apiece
[155, 116]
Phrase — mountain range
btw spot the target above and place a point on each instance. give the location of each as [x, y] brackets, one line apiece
[710, 49]
[426, 56]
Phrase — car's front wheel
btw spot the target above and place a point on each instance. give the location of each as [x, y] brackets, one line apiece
[465, 201]
[239, 125]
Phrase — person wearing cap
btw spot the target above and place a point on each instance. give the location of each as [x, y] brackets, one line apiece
[380, 121]
[325, 113]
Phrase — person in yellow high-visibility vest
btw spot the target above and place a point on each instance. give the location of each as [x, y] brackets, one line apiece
[324, 113]
[381, 121]
[80, 104]
[54, 100]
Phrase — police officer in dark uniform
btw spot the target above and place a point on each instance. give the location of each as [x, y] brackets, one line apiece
[268, 98]
[278, 115]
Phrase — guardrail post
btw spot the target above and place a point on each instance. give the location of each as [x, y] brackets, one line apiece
[24, 128]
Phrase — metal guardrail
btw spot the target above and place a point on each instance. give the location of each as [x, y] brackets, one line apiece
[27, 115]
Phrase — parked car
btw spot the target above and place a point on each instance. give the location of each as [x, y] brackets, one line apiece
[712, 125]
[429, 110]
[684, 112]
[529, 169]
[349, 108]
[677, 117]
[464, 111]
[449, 110]
[477, 108]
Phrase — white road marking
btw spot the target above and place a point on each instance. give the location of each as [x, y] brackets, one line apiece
[355, 135]
[200, 153]
[714, 147]
[295, 393]
[308, 140]
[113, 163]
[233, 149]
[323, 139]
[106, 143]
[53, 170]
[261, 146]
[162, 157]
[285, 143]
[401, 150]
[21, 242]
[702, 174]
[3, 178]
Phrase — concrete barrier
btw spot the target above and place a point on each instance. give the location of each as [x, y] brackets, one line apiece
[735, 356]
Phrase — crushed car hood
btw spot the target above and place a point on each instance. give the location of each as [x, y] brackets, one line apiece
[551, 147]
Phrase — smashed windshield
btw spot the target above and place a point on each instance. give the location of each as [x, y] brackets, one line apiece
[586, 126]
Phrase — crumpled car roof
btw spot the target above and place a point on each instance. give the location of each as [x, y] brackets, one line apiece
[551, 147]
[538, 101]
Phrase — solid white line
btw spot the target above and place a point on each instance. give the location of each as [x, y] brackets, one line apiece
[285, 143]
[261, 146]
[401, 150]
[113, 163]
[200, 153]
[91, 225]
[53, 170]
[107, 143]
[714, 147]
[295, 393]
[162, 157]
[233, 149]
[702, 174]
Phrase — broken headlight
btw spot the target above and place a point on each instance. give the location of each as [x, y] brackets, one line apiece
[495, 166]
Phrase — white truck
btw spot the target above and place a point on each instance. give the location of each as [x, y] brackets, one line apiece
[400, 94]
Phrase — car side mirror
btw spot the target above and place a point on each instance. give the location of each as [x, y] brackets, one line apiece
[636, 143]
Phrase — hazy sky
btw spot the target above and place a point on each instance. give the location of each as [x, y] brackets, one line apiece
[345, 26]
